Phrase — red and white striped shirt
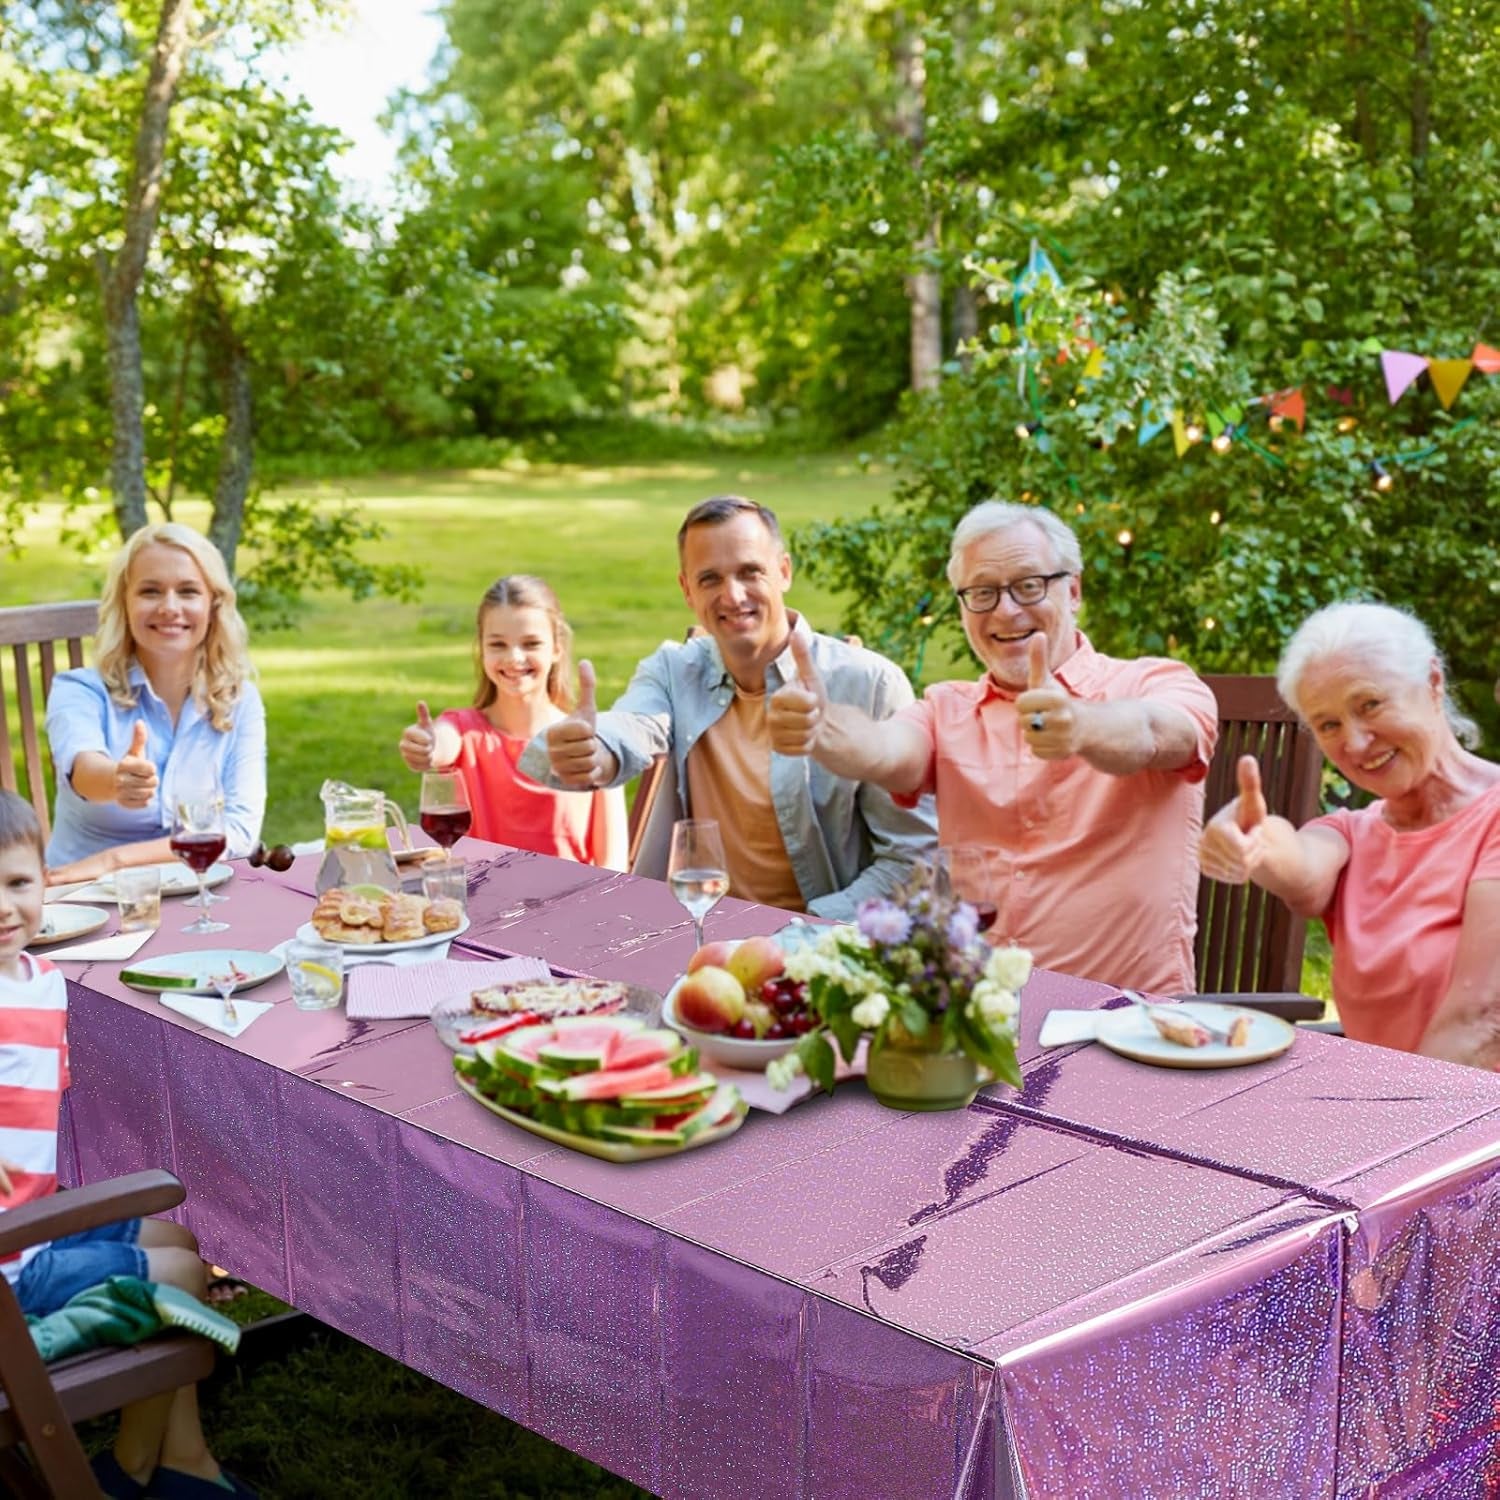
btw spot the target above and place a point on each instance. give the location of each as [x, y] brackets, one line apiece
[33, 1075]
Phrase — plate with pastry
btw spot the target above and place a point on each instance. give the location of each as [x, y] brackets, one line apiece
[1195, 1034]
[368, 917]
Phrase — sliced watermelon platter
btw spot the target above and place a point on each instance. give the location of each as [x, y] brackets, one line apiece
[606, 1085]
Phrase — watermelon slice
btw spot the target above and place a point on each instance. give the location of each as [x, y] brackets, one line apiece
[581, 1049]
[606, 1084]
[672, 1094]
[722, 1106]
[639, 1135]
[646, 1047]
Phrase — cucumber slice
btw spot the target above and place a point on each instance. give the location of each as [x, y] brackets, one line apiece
[162, 981]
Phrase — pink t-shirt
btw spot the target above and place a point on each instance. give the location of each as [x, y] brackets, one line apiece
[1397, 912]
[511, 808]
[1098, 873]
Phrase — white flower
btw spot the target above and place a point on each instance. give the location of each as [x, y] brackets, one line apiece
[780, 1071]
[1009, 968]
[996, 1006]
[870, 1011]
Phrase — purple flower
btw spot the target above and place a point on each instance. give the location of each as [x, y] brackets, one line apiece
[963, 925]
[882, 922]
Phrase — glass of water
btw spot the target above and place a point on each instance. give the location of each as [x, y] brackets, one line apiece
[696, 869]
[138, 892]
[316, 970]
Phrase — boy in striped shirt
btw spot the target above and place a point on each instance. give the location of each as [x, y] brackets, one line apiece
[160, 1451]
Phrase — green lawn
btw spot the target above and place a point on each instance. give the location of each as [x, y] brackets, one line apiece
[341, 686]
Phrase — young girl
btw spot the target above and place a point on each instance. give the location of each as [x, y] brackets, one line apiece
[159, 1442]
[169, 706]
[522, 655]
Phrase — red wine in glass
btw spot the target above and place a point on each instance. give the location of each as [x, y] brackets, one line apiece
[987, 912]
[197, 851]
[446, 825]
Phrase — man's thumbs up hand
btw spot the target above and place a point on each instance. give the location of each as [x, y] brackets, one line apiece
[797, 710]
[580, 760]
[135, 772]
[1048, 714]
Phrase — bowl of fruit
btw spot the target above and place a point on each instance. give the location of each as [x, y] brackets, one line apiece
[737, 1006]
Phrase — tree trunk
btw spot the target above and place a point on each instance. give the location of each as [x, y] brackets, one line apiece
[965, 321]
[237, 446]
[1354, 50]
[121, 275]
[924, 288]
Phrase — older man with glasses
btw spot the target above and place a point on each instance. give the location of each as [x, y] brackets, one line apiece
[1081, 773]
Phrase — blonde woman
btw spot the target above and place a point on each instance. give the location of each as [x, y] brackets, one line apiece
[522, 655]
[169, 707]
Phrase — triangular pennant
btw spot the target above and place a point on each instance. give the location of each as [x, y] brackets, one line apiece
[1291, 406]
[1486, 359]
[1179, 434]
[1215, 423]
[1093, 366]
[1037, 266]
[1150, 425]
[1342, 394]
[1448, 376]
[1233, 415]
[1400, 370]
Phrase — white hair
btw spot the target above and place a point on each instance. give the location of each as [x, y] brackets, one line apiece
[1382, 635]
[1000, 515]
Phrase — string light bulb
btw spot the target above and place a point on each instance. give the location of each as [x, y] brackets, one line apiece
[1222, 443]
[1125, 538]
[1025, 429]
[1277, 422]
[1346, 424]
[1214, 518]
[1193, 432]
[1384, 479]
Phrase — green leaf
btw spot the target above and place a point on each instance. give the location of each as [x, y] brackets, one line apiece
[912, 1017]
[817, 1059]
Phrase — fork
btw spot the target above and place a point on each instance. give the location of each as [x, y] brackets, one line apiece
[1219, 1034]
[225, 984]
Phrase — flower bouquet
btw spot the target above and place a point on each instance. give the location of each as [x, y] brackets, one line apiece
[914, 972]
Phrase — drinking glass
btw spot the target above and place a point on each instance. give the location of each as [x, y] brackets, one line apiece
[198, 840]
[445, 813]
[138, 893]
[446, 880]
[316, 970]
[696, 869]
[971, 873]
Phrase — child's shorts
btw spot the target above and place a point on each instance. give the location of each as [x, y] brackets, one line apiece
[63, 1268]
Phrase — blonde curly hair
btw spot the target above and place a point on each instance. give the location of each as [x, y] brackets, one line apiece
[223, 665]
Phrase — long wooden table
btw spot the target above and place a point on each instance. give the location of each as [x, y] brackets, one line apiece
[1274, 1280]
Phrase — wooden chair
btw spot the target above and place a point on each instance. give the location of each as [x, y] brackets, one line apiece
[1249, 942]
[45, 626]
[39, 1403]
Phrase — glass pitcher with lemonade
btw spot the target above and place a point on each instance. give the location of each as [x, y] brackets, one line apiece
[357, 852]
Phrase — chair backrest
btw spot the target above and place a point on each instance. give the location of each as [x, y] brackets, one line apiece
[1247, 939]
[45, 627]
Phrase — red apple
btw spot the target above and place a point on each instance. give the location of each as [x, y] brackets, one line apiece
[716, 954]
[710, 999]
[756, 960]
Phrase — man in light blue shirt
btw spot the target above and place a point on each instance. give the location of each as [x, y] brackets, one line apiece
[795, 835]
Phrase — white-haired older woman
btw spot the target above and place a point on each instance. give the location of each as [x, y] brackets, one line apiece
[1409, 887]
[169, 707]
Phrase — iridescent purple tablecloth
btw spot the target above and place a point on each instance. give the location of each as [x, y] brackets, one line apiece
[1119, 1281]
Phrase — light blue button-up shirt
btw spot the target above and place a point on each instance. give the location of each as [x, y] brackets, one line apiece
[81, 716]
[846, 840]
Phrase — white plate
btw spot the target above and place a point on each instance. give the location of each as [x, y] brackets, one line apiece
[451, 1018]
[202, 964]
[59, 923]
[1131, 1034]
[604, 1150]
[727, 1051]
[176, 880]
[309, 934]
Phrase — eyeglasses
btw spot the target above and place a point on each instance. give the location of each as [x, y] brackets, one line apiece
[983, 597]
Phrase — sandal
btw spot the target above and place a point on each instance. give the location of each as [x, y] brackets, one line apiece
[173, 1484]
[112, 1479]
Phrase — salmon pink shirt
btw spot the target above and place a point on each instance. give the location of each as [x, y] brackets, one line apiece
[1397, 911]
[511, 808]
[1098, 874]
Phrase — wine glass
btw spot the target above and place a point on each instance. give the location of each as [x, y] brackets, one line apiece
[970, 873]
[696, 870]
[198, 840]
[445, 811]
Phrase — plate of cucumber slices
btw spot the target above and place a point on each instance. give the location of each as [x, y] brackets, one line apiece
[194, 973]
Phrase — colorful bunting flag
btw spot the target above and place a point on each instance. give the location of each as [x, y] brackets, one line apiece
[1486, 359]
[1179, 434]
[1448, 376]
[1400, 370]
[1290, 405]
[1150, 425]
[1093, 366]
[1342, 394]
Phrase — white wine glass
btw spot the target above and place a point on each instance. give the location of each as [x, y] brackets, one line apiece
[696, 870]
[198, 838]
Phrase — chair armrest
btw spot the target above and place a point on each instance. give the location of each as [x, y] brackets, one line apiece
[1288, 1005]
[130, 1197]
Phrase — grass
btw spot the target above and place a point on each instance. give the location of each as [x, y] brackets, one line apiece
[340, 688]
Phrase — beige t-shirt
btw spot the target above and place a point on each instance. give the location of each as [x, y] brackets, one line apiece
[729, 780]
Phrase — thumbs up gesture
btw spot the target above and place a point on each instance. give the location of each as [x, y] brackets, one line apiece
[579, 759]
[1233, 841]
[796, 711]
[135, 773]
[1048, 713]
[418, 745]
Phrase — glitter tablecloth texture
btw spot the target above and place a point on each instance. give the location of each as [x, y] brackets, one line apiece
[1116, 1281]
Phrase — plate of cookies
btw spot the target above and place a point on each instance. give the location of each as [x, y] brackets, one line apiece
[369, 917]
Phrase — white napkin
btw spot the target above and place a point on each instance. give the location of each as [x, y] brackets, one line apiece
[121, 945]
[377, 994]
[208, 1010]
[1062, 1027]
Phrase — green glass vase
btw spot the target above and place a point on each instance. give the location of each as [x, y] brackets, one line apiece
[910, 1072]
